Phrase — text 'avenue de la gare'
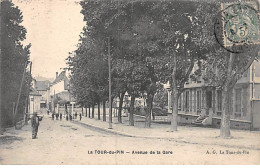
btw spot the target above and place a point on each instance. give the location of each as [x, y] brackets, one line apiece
[92, 152]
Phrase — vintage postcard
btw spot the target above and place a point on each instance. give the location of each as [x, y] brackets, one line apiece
[136, 82]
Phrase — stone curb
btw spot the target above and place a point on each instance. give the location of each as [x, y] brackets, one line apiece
[106, 129]
[115, 132]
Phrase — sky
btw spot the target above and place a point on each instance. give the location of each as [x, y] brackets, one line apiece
[53, 29]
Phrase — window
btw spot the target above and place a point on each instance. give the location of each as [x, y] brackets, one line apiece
[219, 100]
[179, 102]
[245, 100]
[238, 103]
[198, 99]
[187, 101]
[190, 100]
[194, 97]
[202, 99]
[257, 69]
[183, 105]
[209, 99]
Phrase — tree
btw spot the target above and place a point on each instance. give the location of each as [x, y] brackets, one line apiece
[151, 42]
[223, 68]
[14, 60]
[181, 43]
[161, 98]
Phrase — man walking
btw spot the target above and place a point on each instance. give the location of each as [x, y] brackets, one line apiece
[80, 116]
[35, 124]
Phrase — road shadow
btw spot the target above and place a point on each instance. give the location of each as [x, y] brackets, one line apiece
[6, 140]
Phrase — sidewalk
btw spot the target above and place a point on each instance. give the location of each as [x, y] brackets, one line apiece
[186, 134]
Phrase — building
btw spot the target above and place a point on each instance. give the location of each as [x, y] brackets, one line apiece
[201, 103]
[58, 91]
[35, 99]
[42, 88]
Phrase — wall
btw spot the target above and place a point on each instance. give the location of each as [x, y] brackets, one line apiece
[234, 124]
[186, 118]
[256, 114]
[44, 94]
[34, 104]
[57, 87]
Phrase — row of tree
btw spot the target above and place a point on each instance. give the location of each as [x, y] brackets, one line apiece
[14, 60]
[152, 42]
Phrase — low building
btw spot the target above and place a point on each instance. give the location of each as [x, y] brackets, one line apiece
[201, 99]
[35, 99]
[42, 88]
[59, 92]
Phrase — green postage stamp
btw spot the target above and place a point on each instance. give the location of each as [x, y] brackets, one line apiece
[240, 23]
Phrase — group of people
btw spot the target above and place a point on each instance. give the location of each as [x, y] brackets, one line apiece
[57, 115]
[68, 116]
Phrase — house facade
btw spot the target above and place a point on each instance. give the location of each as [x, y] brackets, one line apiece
[35, 99]
[58, 92]
[42, 88]
[201, 103]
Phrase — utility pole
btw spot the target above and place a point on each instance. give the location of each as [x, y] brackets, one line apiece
[20, 90]
[28, 100]
[109, 71]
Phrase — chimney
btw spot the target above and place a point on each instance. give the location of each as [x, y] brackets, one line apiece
[56, 74]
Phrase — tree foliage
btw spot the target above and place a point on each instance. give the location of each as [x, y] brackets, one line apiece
[14, 57]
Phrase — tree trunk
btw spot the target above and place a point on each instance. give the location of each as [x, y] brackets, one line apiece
[66, 109]
[89, 111]
[93, 110]
[225, 121]
[227, 96]
[174, 119]
[98, 111]
[104, 111]
[121, 100]
[86, 111]
[82, 110]
[131, 116]
[149, 110]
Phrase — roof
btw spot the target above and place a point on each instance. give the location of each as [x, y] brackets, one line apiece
[34, 92]
[41, 85]
[60, 77]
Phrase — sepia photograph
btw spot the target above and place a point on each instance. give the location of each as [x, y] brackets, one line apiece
[129, 82]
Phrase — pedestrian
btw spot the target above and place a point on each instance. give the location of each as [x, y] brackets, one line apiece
[35, 124]
[52, 116]
[70, 117]
[76, 114]
[67, 118]
[80, 116]
[57, 116]
[60, 116]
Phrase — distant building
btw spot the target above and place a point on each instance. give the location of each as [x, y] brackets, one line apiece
[58, 91]
[199, 98]
[42, 88]
[35, 99]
